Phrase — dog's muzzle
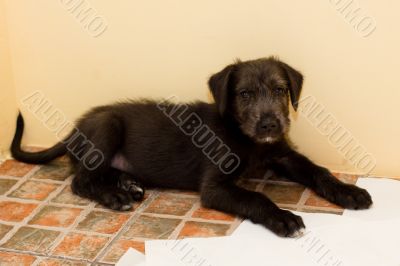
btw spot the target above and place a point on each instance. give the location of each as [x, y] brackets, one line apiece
[268, 129]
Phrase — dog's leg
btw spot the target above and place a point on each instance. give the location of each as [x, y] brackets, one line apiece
[300, 169]
[102, 189]
[99, 183]
[232, 199]
[128, 183]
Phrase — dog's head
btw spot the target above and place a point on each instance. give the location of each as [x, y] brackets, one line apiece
[256, 95]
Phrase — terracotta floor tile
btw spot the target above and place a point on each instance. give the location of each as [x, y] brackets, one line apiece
[152, 227]
[347, 178]
[60, 262]
[11, 211]
[179, 192]
[54, 171]
[56, 216]
[6, 184]
[32, 239]
[200, 229]
[137, 204]
[34, 190]
[317, 201]
[62, 160]
[15, 168]
[80, 246]
[4, 229]
[171, 204]
[103, 222]
[67, 197]
[14, 259]
[210, 214]
[284, 194]
[312, 210]
[288, 207]
[120, 247]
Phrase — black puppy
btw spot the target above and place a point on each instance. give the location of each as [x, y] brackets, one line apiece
[199, 146]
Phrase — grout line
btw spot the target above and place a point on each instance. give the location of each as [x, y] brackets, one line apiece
[41, 204]
[19, 224]
[65, 231]
[304, 196]
[234, 225]
[41, 257]
[12, 177]
[21, 181]
[327, 210]
[301, 207]
[112, 238]
[126, 226]
[184, 219]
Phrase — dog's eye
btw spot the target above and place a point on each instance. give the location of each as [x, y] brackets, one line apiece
[279, 90]
[245, 94]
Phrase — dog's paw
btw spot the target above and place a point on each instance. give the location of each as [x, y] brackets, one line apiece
[118, 200]
[285, 224]
[349, 197]
[133, 187]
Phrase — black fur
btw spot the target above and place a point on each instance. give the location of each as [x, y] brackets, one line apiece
[33, 157]
[139, 142]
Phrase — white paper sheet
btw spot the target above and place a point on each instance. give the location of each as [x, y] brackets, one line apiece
[132, 257]
[331, 240]
[326, 241]
[223, 251]
[250, 244]
[386, 200]
[357, 238]
[311, 221]
[189, 251]
[364, 242]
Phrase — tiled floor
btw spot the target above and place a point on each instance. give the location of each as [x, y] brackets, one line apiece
[43, 223]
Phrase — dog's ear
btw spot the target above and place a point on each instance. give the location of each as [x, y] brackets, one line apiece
[296, 84]
[219, 84]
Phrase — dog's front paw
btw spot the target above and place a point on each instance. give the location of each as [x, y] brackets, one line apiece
[349, 197]
[284, 223]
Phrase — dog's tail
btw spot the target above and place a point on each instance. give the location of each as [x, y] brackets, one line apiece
[40, 157]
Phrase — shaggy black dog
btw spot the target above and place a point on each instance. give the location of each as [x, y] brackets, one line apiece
[199, 146]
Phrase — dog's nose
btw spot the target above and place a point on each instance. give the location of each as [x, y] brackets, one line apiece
[268, 125]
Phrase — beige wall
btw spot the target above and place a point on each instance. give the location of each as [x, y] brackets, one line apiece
[7, 90]
[159, 48]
